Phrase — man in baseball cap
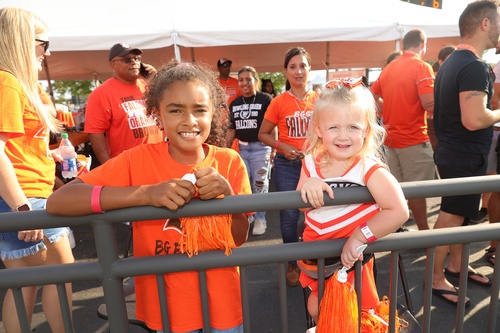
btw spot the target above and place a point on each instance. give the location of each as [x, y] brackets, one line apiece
[230, 84]
[224, 62]
[116, 117]
[121, 49]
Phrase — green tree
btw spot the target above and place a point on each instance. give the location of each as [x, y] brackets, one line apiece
[79, 90]
[278, 79]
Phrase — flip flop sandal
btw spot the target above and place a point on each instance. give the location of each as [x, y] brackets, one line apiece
[470, 275]
[490, 255]
[442, 292]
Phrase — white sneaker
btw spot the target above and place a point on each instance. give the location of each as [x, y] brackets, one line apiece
[259, 227]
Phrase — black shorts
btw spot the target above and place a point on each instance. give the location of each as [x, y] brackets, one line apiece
[453, 164]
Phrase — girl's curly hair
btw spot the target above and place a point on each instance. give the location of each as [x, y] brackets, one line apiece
[175, 71]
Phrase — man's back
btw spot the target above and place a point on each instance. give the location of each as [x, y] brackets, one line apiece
[400, 85]
[462, 71]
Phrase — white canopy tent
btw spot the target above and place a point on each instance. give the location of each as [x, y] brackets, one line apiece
[338, 34]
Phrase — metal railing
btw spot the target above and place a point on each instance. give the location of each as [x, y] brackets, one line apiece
[111, 269]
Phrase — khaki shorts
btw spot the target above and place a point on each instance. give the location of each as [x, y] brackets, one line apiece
[412, 163]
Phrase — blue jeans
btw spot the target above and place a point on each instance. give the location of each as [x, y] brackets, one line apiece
[256, 156]
[286, 177]
[12, 247]
[237, 329]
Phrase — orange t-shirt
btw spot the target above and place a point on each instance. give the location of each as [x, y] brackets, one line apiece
[400, 84]
[231, 87]
[160, 237]
[292, 116]
[28, 145]
[117, 109]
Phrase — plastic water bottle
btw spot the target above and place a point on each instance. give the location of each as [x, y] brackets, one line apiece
[68, 154]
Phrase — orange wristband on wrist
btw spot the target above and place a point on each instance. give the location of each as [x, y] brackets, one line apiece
[95, 200]
[277, 144]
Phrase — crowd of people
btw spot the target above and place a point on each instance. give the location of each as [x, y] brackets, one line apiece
[204, 136]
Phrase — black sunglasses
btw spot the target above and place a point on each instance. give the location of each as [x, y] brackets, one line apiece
[128, 60]
[45, 44]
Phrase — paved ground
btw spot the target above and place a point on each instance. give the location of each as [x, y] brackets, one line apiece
[264, 288]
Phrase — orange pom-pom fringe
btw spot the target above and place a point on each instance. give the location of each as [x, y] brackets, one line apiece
[338, 308]
[339, 311]
[204, 233]
[377, 320]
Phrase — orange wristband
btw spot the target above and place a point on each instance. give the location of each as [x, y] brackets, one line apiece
[95, 200]
[277, 144]
[370, 237]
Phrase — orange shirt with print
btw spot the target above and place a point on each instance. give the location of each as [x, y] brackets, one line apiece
[292, 116]
[161, 237]
[28, 145]
[117, 109]
[231, 87]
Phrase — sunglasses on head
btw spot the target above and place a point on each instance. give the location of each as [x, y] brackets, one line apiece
[45, 44]
[346, 81]
[128, 60]
[226, 64]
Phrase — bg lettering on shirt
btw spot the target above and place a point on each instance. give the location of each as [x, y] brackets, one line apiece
[169, 242]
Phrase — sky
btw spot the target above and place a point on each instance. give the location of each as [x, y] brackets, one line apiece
[453, 6]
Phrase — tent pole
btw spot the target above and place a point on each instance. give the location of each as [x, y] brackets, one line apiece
[96, 80]
[177, 52]
[51, 91]
[327, 62]
[401, 31]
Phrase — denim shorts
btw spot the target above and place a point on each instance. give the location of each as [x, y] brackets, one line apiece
[12, 247]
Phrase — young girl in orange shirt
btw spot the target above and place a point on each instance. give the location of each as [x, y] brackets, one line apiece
[188, 103]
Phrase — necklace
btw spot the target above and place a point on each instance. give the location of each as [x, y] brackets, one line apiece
[467, 47]
[295, 98]
[245, 102]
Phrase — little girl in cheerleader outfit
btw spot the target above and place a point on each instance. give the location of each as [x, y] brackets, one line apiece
[343, 149]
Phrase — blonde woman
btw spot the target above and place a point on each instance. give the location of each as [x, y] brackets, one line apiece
[27, 168]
